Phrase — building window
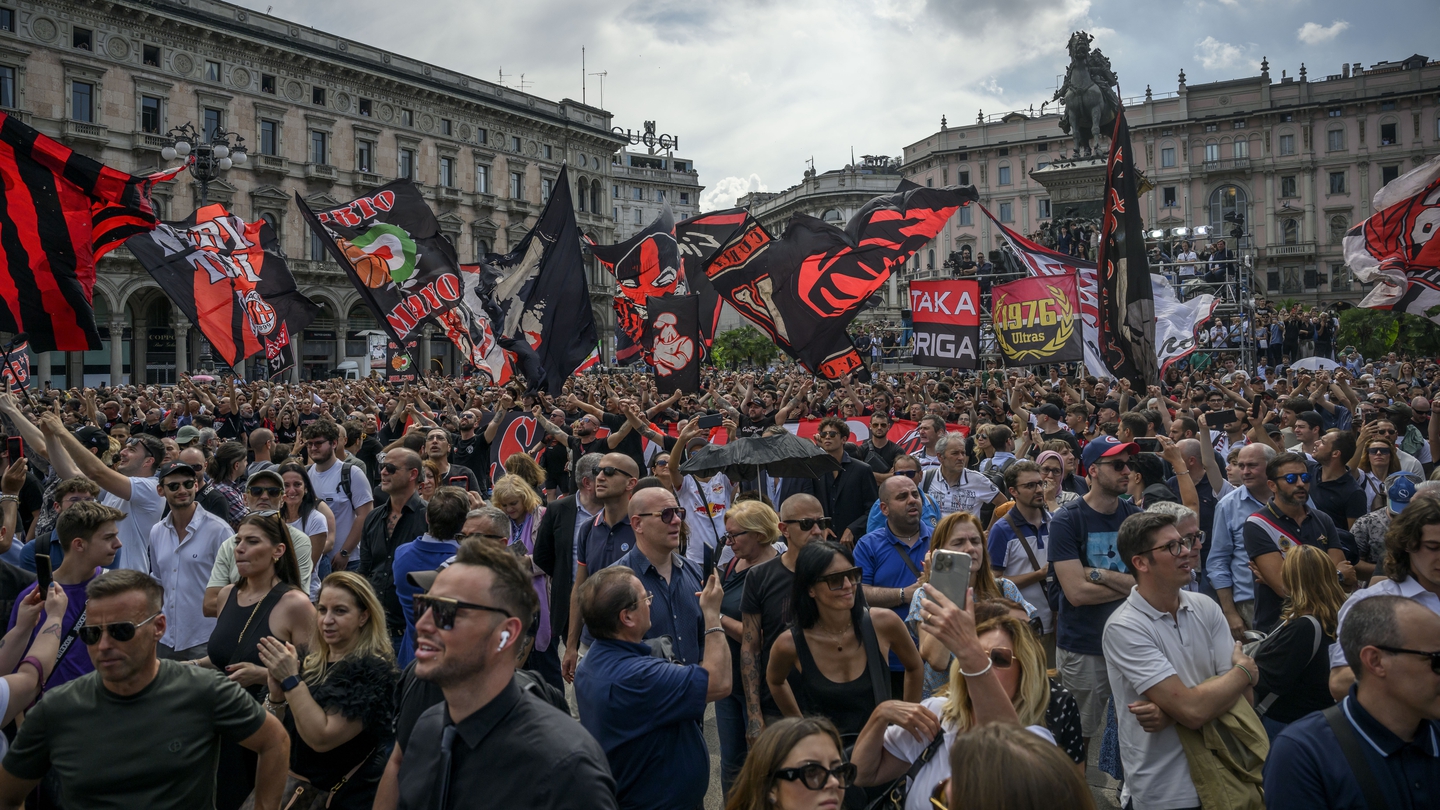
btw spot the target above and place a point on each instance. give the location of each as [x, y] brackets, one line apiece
[517, 186]
[1225, 201]
[447, 127]
[150, 54]
[1212, 153]
[1388, 173]
[365, 108]
[407, 118]
[214, 122]
[1004, 175]
[319, 147]
[660, 195]
[212, 71]
[482, 179]
[482, 135]
[684, 198]
[638, 193]
[80, 38]
[967, 216]
[1287, 186]
[1333, 112]
[365, 156]
[1168, 197]
[317, 96]
[1044, 209]
[930, 259]
[406, 165]
[1212, 127]
[831, 215]
[447, 172]
[269, 137]
[271, 220]
[82, 102]
[549, 152]
[929, 182]
[1287, 144]
[514, 143]
[7, 87]
[615, 213]
[149, 111]
[1238, 124]
[1167, 157]
[1335, 140]
[267, 83]
[317, 247]
[1286, 118]
[1242, 149]
[1337, 182]
[639, 217]
[547, 185]
[963, 178]
[1290, 232]
[1388, 135]
[1007, 212]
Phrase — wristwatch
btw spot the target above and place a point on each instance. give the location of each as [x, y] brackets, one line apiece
[289, 683]
[1094, 575]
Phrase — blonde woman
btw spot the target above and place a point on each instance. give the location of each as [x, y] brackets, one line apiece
[520, 501]
[1294, 678]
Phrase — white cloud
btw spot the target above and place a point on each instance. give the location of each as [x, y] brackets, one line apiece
[1214, 54]
[722, 194]
[1314, 33]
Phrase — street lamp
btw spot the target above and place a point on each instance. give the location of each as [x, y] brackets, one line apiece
[219, 153]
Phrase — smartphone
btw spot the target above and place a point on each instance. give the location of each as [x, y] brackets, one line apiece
[1219, 419]
[42, 573]
[710, 420]
[950, 574]
[461, 481]
[1148, 444]
[14, 448]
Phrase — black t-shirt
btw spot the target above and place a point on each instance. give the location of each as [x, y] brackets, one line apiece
[1064, 436]
[1292, 331]
[470, 484]
[553, 461]
[1290, 664]
[1269, 531]
[880, 459]
[750, 428]
[767, 594]
[473, 452]
[227, 426]
[1341, 498]
[630, 445]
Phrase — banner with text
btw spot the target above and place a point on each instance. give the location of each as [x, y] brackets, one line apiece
[946, 320]
[1036, 320]
[400, 362]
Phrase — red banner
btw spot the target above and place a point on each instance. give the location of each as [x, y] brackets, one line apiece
[1036, 320]
[946, 317]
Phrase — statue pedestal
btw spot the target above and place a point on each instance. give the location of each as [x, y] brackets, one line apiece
[1076, 187]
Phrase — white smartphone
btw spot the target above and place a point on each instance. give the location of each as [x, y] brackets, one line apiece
[950, 574]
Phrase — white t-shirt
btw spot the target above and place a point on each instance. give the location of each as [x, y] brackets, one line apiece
[698, 498]
[327, 489]
[311, 526]
[903, 745]
[970, 491]
[1187, 269]
[143, 511]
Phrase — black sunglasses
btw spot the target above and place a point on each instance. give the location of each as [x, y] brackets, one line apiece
[836, 581]
[609, 471]
[176, 486]
[273, 492]
[806, 524]
[444, 609]
[667, 514]
[815, 776]
[1291, 478]
[911, 474]
[1433, 656]
[120, 631]
[1117, 466]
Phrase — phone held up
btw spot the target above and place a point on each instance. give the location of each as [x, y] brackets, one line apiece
[950, 574]
[42, 573]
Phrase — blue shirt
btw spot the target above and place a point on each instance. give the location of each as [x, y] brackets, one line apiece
[1339, 420]
[646, 713]
[1306, 764]
[1228, 565]
[424, 553]
[601, 544]
[57, 553]
[878, 555]
[929, 514]
[1078, 532]
[675, 610]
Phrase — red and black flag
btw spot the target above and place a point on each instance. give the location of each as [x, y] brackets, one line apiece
[59, 213]
[675, 343]
[805, 288]
[1127, 304]
[647, 265]
[228, 277]
[1397, 247]
[699, 239]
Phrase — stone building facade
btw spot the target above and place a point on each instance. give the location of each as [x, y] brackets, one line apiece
[323, 117]
[643, 181]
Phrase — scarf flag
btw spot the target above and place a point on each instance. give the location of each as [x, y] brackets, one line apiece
[1397, 247]
[647, 265]
[676, 347]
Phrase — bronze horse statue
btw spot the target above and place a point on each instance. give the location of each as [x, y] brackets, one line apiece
[1089, 95]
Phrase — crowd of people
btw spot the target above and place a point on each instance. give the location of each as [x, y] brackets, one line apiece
[1223, 590]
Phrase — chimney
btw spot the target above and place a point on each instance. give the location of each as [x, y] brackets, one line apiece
[1345, 71]
[1357, 69]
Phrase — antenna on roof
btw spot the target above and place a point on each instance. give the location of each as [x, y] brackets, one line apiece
[524, 84]
[502, 77]
[602, 74]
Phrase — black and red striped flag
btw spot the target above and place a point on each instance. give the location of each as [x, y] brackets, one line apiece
[1127, 302]
[59, 213]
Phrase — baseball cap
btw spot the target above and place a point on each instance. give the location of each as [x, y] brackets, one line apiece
[424, 580]
[93, 438]
[175, 468]
[1106, 446]
[1401, 410]
[1401, 490]
[269, 473]
[1049, 409]
[1272, 429]
[187, 434]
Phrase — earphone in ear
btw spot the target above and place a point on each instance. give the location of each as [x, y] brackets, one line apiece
[504, 639]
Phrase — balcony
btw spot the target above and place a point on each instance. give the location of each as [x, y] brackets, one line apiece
[320, 171]
[483, 200]
[19, 115]
[86, 133]
[520, 207]
[1241, 164]
[448, 194]
[149, 142]
[1297, 249]
[272, 164]
[364, 179]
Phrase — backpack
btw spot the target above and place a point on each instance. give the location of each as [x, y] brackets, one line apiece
[996, 476]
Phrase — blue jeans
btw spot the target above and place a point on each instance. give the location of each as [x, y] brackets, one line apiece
[730, 724]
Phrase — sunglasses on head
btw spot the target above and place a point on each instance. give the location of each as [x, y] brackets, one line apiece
[1291, 478]
[668, 514]
[1433, 656]
[815, 776]
[836, 581]
[806, 524]
[612, 471]
[443, 609]
[119, 631]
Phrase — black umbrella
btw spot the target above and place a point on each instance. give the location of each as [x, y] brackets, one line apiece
[782, 456]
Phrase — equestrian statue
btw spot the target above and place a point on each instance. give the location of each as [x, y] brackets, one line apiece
[1089, 94]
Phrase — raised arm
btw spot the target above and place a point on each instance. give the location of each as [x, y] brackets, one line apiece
[27, 429]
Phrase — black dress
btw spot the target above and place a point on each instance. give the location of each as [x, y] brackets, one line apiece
[235, 640]
[360, 689]
[848, 705]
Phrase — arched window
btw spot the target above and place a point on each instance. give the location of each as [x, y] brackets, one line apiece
[1338, 226]
[1290, 232]
[831, 215]
[1225, 200]
[1212, 152]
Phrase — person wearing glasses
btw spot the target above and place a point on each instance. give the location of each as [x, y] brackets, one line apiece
[646, 712]
[798, 763]
[832, 663]
[672, 578]
[602, 541]
[1171, 661]
[264, 492]
[892, 559]
[1285, 522]
[397, 520]
[182, 554]
[351, 501]
[136, 702]
[906, 466]
[504, 747]
[445, 519]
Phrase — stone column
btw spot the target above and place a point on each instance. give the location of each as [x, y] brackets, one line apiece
[117, 344]
[424, 359]
[182, 347]
[43, 359]
[342, 325]
[297, 347]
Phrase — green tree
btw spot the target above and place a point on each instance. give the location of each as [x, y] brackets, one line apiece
[1377, 331]
[746, 345]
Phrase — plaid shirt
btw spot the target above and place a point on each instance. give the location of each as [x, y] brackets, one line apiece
[234, 497]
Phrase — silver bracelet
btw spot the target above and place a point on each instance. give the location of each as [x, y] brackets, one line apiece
[4, 498]
[988, 666]
[715, 630]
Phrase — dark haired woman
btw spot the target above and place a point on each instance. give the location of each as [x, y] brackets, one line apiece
[304, 511]
[796, 764]
[269, 600]
[834, 660]
[227, 471]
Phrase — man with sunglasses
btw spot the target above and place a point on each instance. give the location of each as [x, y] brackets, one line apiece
[893, 556]
[164, 720]
[129, 487]
[398, 520]
[1380, 746]
[605, 539]
[264, 492]
[1169, 659]
[350, 504]
[182, 554]
[1286, 521]
[671, 578]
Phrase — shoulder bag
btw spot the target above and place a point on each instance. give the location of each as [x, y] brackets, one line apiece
[1047, 585]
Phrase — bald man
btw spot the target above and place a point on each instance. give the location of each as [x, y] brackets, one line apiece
[672, 581]
[765, 605]
[604, 540]
[1210, 486]
[891, 557]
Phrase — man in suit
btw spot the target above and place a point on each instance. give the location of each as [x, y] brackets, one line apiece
[555, 543]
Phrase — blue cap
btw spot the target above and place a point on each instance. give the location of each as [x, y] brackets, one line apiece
[1402, 489]
[1104, 446]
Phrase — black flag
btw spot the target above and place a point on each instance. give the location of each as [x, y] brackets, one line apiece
[542, 297]
[676, 345]
[647, 265]
[700, 238]
[1127, 305]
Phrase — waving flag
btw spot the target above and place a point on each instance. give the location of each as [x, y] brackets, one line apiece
[15, 366]
[1397, 246]
[676, 348]
[699, 239]
[1127, 306]
[59, 213]
[647, 265]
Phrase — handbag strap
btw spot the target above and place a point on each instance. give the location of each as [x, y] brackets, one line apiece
[1264, 705]
[877, 664]
[1354, 756]
[1024, 541]
[904, 555]
[69, 640]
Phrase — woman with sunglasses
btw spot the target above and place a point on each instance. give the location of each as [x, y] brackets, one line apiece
[834, 661]
[909, 467]
[751, 532]
[1294, 676]
[521, 504]
[303, 510]
[1377, 460]
[269, 600]
[339, 706]
[796, 764]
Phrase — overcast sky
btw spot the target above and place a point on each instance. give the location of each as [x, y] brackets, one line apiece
[755, 88]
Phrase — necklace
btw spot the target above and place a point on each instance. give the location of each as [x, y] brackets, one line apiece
[838, 638]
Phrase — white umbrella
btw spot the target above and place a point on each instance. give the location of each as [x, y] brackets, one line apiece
[1315, 364]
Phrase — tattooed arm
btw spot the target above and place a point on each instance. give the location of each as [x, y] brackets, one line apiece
[750, 675]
